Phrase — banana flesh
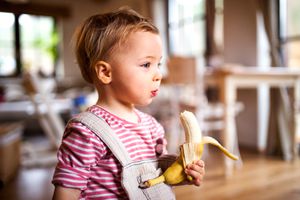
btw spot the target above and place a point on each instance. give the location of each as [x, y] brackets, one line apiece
[191, 127]
[190, 151]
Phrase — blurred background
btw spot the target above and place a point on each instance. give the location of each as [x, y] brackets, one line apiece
[235, 64]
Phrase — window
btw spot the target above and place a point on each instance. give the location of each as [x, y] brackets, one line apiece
[7, 61]
[29, 37]
[289, 17]
[39, 41]
[28, 43]
[219, 18]
[186, 22]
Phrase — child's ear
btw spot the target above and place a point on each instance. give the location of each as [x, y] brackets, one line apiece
[103, 72]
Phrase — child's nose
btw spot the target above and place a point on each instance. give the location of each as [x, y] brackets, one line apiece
[157, 75]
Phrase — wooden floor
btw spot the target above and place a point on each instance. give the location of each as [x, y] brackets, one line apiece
[260, 178]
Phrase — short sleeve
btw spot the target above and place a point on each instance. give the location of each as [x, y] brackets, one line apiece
[79, 151]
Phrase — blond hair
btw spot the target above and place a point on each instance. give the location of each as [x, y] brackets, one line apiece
[99, 35]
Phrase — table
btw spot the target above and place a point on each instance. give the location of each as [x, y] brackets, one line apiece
[25, 108]
[230, 79]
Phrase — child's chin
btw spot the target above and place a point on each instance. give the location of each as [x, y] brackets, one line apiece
[144, 103]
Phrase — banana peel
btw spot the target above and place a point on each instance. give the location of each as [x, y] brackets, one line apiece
[173, 175]
[190, 151]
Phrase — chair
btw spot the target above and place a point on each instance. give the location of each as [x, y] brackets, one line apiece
[50, 120]
[186, 83]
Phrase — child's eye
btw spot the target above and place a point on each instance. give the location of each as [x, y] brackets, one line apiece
[146, 65]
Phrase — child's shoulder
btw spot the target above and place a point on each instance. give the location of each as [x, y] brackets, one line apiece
[109, 117]
[97, 111]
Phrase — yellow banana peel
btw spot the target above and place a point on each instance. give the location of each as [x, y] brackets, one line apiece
[190, 151]
[173, 175]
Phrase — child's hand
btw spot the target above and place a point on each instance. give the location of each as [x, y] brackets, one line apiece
[197, 171]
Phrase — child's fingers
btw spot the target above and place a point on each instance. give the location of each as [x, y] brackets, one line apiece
[197, 177]
[197, 182]
[197, 166]
[200, 163]
[197, 171]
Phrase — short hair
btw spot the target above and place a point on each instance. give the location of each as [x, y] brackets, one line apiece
[99, 35]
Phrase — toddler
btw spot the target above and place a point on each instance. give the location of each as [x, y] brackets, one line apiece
[120, 54]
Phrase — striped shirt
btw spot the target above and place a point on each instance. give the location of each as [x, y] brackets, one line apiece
[86, 163]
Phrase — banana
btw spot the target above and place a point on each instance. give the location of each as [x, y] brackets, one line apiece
[193, 148]
[173, 175]
[190, 151]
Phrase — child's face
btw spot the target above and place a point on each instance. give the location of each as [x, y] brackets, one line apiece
[135, 69]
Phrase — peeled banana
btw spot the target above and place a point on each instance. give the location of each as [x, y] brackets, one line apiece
[193, 147]
[190, 151]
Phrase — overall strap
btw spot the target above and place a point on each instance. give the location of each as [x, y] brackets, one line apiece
[100, 127]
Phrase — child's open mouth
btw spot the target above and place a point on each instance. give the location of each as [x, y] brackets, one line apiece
[154, 93]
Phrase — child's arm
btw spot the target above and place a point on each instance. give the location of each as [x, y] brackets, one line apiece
[61, 193]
